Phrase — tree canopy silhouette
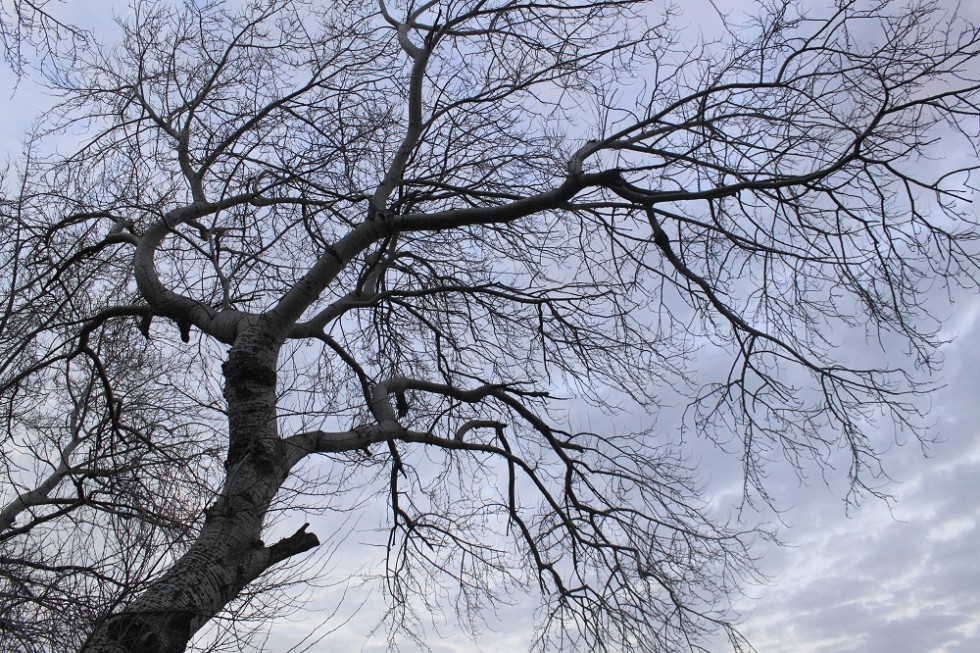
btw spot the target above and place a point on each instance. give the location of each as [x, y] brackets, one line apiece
[295, 248]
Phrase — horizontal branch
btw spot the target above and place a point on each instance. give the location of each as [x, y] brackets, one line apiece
[300, 445]
[287, 547]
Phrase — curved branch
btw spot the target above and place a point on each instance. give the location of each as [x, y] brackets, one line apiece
[222, 324]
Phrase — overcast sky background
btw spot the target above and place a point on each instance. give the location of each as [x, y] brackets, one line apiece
[903, 577]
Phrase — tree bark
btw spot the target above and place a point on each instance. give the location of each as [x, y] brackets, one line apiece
[228, 553]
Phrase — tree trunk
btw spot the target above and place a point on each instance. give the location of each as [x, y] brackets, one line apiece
[229, 553]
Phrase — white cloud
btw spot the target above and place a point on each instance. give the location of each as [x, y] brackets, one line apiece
[899, 579]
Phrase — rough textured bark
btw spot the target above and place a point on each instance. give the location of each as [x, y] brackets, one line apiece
[229, 552]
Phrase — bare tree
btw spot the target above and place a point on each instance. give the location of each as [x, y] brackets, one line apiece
[103, 466]
[405, 231]
[29, 29]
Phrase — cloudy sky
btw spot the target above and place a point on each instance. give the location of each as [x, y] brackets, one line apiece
[887, 578]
